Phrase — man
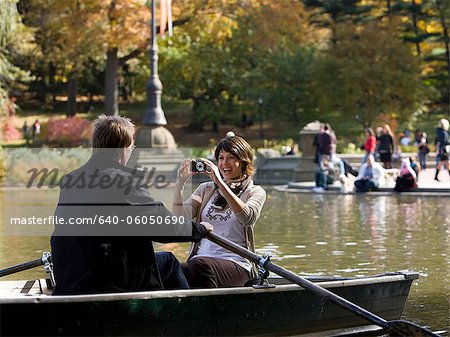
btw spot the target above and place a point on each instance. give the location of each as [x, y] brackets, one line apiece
[110, 220]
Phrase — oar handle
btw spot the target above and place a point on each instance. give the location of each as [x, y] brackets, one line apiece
[25, 266]
[290, 276]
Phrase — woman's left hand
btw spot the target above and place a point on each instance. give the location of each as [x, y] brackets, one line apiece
[212, 171]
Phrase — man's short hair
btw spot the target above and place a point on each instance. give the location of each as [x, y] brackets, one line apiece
[112, 132]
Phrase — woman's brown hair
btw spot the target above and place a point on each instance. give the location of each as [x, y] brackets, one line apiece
[239, 148]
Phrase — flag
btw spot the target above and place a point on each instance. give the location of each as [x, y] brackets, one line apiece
[162, 17]
[169, 17]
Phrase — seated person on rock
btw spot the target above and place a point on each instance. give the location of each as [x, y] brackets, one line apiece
[105, 244]
[370, 176]
[407, 179]
[324, 174]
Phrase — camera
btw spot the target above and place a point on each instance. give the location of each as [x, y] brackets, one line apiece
[198, 165]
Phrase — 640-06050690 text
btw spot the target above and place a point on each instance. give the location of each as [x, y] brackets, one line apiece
[100, 219]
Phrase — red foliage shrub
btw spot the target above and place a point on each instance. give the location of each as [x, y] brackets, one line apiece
[69, 132]
[9, 131]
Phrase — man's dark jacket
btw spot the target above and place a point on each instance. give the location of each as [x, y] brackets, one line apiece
[102, 257]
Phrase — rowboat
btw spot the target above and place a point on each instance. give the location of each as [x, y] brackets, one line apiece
[28, 309]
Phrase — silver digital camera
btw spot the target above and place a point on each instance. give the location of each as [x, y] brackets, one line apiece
[198, 165]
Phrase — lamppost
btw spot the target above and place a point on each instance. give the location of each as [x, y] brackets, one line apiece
[153, 134]
[154, 115]
[261, 117]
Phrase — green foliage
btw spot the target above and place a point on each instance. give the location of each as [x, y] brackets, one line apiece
[18, 162]
[308, 59]
[369, 73]
[13, 36]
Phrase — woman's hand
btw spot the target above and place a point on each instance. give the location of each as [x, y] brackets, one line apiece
[184, 172]
[208, 226]
[212, 171]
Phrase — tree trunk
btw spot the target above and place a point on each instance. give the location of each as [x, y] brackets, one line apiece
[111, 83]
[72, 95]
[416, 30]
[51, 81]
[197, 120]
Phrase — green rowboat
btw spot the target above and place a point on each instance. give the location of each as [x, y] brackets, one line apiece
[28, 309]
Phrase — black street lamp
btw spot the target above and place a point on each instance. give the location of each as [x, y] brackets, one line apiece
[261, 117]
[154, 115]
[153, 134]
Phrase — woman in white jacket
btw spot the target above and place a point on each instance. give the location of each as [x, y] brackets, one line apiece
[370, 176]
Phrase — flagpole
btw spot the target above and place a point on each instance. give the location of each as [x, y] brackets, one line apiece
[154, 114]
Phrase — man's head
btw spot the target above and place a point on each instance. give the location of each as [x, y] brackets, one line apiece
[114, 132]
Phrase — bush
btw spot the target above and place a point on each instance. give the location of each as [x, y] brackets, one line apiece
[18, 162]
[9, 131]
[69, 132]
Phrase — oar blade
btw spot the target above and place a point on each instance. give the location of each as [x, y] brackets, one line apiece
[405, 328]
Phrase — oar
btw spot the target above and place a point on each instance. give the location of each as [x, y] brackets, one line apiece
[45, 259]
[393, 328]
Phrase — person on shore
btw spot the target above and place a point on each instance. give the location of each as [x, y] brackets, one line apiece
[26, 132]
[415, 166]
[104, 243]
[442, 147]
[332, 134]
[35, 130]
[317, 144]
[370, 176]
[231, 203]
[423, 150]
[407, 179]
[386, 146]
[405, 138]
[370, 144]
[324, 174]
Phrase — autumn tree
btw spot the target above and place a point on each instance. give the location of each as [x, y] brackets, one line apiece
[330, 13]
[370, 72]
[14, 40]
[221, 58]
[68, 35]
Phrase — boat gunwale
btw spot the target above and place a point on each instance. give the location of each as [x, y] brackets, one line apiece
[158, 294]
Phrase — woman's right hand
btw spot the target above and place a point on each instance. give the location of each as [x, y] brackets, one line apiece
[208, 226]
[184, 172]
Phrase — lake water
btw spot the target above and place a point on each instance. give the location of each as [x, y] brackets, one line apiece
[344, 235]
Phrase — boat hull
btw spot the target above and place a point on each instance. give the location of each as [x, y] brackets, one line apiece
[283, 310]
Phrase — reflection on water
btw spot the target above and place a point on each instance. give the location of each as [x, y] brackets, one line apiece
[346, 235]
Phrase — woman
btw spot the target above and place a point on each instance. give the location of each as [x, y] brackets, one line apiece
[370, 144]
[442, 147]
[370, 176]
[232, 204]
[423, 150]
[407, 179]
[386, 146]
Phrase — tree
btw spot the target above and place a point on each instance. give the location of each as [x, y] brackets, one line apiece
[330, 13]
[375, 74]
[68, 33]
[425, 25]
[220, 59]
[13, 38]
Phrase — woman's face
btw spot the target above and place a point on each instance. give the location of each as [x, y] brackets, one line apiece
[229, 166]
